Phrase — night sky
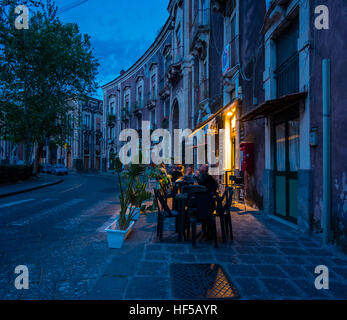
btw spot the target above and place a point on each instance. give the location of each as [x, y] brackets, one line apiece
[121, 31]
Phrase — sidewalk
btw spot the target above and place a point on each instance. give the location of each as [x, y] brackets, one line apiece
[33, 183]
[266, 260]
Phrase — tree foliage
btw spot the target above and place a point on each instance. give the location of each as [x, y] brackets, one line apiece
[41, 69]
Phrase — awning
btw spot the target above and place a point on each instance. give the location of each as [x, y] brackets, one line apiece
[274, 106]
[203, 124]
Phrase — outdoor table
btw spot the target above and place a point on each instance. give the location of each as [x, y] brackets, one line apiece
[181, 199]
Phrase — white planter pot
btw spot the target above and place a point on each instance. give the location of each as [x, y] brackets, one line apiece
[116, 237]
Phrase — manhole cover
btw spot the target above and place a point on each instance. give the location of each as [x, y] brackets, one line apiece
[201, 281]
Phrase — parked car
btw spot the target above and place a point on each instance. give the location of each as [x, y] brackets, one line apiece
[60, 169]
[47, 168]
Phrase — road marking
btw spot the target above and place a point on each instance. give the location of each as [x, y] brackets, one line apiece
[41, 215]
[15, 203]
[76, 186]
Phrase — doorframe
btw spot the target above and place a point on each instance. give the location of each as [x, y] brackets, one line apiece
[284, 117]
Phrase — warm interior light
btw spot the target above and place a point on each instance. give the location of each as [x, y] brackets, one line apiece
[233, 122]
[229, 114]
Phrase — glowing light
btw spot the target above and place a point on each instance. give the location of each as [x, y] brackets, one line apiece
[233, 122]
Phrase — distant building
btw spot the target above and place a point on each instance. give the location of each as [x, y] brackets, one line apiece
[83, 151]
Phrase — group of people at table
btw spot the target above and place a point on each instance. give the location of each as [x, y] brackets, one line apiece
[178, 176]
[200, 177]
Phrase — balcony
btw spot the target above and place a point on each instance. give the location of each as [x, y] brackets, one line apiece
[174, 73]
[137, 108]
[125, 114]
[151, 103]
[111, 119]
[164, 93]
[287, 76]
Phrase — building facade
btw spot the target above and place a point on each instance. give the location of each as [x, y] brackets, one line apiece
[83, 150]
[255, 70]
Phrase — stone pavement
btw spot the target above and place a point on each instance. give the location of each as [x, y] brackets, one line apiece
[34, 183]
[266, 260]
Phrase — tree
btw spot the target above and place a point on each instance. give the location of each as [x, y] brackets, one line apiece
[41, 69]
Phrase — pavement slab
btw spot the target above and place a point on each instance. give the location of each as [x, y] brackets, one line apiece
[68, 256]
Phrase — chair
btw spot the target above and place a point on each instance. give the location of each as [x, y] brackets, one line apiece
[200, 205]
[239, 185]
[223, 212]
[164, 212]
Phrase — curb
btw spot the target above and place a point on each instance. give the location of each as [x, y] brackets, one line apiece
[31, 189]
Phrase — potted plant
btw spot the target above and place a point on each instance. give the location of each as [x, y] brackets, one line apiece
[139, 196]
[131, 195]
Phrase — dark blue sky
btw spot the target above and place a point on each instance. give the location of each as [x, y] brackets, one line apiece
[121, 30]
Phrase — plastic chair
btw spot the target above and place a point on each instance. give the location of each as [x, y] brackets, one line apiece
[164, 212]
[223, 212]
[199, 212]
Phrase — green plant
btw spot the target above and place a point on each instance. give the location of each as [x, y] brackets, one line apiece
[132, 192]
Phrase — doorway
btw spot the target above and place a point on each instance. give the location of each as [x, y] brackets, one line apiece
[86, 163]
[287, 161]
[97, 163]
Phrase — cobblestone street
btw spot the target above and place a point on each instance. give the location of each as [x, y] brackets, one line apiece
[266, 260]
[58, 233]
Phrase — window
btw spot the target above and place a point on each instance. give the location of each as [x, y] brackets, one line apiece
[86, 121]
[178, 41]
[127, 102]
[139, 96]
[203, 12]
[154, 86]
[287, 59]
[112, 108]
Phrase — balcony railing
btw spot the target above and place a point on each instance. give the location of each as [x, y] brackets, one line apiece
[287, 76]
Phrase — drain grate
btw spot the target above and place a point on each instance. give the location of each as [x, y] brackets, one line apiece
[201, 281]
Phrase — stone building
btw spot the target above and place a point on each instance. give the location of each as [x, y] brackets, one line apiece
[255, 70]
[83, 150]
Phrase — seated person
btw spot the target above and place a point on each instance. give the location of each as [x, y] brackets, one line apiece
[177, 172]
[189, 176]
[206, 180]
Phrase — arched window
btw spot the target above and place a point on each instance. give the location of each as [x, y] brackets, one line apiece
[127, 99]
